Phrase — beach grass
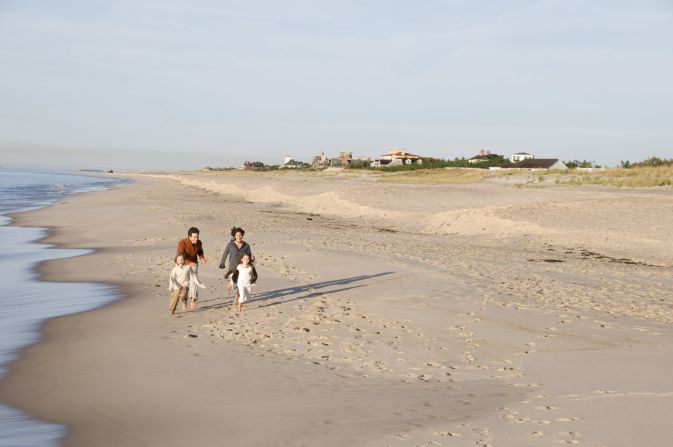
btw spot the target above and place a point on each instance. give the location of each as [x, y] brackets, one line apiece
[420, 176]
[436, 176]
[276, 173]
[638, 177]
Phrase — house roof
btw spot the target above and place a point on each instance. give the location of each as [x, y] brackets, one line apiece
[536, 163]
[522, 153]
[400, 153]
[293, 162]
[484, 157]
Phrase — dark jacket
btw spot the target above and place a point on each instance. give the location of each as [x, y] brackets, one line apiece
[235, 254]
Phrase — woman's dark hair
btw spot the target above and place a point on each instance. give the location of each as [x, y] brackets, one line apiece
[192, 230]
[235, 230]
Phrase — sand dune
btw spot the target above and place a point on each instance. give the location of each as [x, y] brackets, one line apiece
[633, 223]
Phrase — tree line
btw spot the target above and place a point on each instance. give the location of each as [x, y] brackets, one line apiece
[648, 162]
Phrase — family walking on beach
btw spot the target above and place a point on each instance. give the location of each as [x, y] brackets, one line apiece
[184, 281]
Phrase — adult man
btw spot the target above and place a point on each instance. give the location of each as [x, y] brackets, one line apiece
[192, 250]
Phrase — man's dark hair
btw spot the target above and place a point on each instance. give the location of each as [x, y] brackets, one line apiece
[237, 230]
[192, 230]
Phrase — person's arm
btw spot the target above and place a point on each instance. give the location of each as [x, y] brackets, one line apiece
[199, 253]
[171, 281]
[194, 277]
[180, 248]
[224, 256]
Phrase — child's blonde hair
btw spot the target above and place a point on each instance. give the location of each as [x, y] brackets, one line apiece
[179, 255]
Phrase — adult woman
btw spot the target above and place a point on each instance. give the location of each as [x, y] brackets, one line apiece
[236, 248]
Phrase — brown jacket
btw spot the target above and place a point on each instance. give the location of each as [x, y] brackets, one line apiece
[189, 251]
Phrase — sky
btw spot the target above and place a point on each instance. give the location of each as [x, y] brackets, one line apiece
[172, 84]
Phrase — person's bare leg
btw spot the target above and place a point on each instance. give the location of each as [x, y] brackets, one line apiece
[228, 288]
[183, 298]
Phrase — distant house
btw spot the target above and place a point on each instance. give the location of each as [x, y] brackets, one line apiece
[483, 156]
[321, 161]
[539, 163]
[520, 156]
[291, 163]
[344, 159]
[252, 165]
[396, 156]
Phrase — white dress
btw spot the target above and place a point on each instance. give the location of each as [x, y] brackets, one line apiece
[243, 283]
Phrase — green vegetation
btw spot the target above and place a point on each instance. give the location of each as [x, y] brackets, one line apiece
[651, 172]
[433, 163]
[208, 168]
[651, 162]
[573, 164]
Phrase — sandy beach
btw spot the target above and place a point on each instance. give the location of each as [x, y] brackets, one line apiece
[386, 314]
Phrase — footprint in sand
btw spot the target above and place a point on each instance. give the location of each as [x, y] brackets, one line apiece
[546, 407]
[447, 434]
[567, 419]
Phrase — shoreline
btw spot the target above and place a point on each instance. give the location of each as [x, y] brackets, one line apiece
[23, 219]
[25, 328]
[452, 366]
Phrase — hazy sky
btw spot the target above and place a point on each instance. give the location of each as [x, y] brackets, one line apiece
[184, 84]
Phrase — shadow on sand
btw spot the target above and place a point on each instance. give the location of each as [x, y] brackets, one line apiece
[289, 294]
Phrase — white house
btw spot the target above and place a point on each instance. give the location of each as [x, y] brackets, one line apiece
[521, 156]
[397, 156]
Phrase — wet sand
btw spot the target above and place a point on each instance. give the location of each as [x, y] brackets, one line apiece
[386, 314]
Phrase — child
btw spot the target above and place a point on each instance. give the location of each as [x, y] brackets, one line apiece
[183, 280]
[244, 277]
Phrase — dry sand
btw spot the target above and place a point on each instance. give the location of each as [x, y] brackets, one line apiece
[386, 314]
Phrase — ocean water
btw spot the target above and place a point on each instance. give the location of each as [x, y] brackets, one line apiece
[28, 302]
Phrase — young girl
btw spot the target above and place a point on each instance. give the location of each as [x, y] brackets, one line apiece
[244, 277]
[182, 281]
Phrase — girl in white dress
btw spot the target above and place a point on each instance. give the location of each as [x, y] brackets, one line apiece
[244, 277]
